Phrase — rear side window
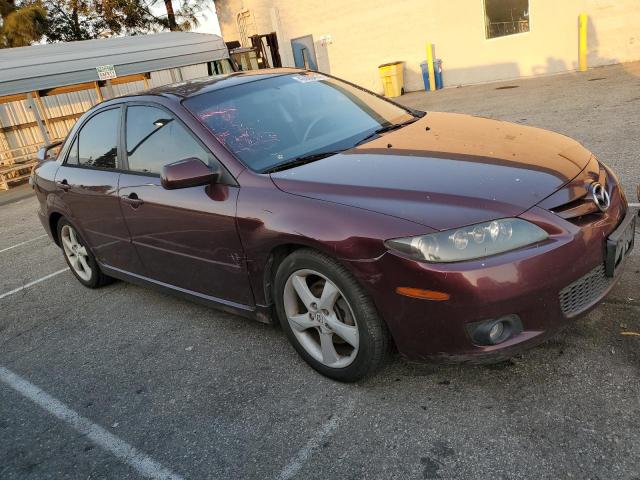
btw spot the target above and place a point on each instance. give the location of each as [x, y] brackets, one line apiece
[155, 138]
[98, 141]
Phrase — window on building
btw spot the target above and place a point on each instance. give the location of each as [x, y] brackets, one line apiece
[506, 17]
[219, 67]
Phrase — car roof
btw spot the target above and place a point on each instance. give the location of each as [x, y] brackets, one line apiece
[199, 86]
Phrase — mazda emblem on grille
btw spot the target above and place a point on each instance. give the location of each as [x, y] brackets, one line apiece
[600, 197]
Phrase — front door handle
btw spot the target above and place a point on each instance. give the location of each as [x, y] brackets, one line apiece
[132, 199]
[63, 185]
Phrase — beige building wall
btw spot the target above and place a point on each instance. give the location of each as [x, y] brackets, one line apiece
[366, 33]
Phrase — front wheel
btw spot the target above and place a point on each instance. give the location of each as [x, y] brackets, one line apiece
[78, 256]
[328, 317]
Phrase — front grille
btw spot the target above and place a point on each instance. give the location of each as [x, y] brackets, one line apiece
[577, 209]
[574, 202]
[582, 293]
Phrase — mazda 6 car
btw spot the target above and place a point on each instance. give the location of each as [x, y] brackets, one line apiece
[356, 224]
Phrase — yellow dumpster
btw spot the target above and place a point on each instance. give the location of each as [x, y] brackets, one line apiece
[392, 78]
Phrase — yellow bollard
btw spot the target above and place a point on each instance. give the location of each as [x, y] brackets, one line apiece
[582, 43]
[432, 74]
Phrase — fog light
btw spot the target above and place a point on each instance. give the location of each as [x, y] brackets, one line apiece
[495, 331]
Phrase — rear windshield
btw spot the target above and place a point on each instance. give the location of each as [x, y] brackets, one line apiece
[273, 120]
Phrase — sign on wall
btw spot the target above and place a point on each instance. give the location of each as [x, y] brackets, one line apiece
[106, 72]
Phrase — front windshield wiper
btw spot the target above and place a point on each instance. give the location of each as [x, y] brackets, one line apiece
[304, 159]
[385, 129]
[312, 157]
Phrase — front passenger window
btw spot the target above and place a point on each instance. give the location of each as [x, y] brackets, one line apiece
[155, 138]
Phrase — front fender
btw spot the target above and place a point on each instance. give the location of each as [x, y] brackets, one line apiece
[269, 219]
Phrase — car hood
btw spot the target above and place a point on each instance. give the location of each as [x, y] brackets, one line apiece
[444, 171]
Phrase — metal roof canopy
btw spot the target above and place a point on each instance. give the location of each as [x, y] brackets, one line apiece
[40, 67]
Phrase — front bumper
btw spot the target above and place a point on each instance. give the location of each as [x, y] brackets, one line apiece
[527, 282]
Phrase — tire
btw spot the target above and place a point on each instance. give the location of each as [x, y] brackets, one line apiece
[320, 322]
[78, 256]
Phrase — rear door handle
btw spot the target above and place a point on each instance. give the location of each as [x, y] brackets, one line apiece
[63, 185]
[132, 199]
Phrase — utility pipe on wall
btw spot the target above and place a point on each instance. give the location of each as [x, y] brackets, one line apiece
[36, 113]
[109, 88]
[43, 111]
[582, 42]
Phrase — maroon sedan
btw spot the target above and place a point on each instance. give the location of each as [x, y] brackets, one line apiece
[296, 198]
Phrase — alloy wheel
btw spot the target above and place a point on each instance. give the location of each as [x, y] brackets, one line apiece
[75, 252]
[321, 318]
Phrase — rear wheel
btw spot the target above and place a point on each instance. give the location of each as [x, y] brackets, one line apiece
[78, 256]
[328, 317]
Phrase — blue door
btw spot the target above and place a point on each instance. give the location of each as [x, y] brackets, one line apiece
[304, 52]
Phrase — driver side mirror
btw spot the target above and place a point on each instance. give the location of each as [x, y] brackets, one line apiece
[43, 153]
[190, 172]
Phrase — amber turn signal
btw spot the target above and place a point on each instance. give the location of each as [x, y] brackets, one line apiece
[423, 294]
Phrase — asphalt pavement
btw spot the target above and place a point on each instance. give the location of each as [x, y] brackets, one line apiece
[125, 382]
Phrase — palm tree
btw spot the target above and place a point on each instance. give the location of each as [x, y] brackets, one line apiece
[186, 16]
[171, 16]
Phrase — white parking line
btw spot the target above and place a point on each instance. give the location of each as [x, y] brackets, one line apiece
[129, 455]
[297, 462]
[27, 285]
[23, 243]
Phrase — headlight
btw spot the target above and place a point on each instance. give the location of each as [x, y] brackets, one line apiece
[467, 243]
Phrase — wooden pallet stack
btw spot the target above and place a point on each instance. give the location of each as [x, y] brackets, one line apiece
[17, 164]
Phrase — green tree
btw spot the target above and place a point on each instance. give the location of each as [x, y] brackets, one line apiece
[69, 20]
[21, 23]
[185, 16]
